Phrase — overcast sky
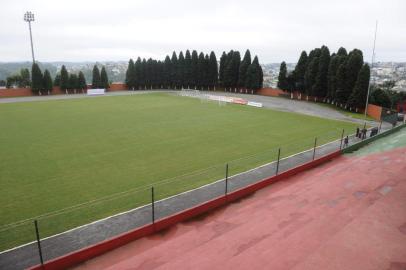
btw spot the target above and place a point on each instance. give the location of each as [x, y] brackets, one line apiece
[274, 30]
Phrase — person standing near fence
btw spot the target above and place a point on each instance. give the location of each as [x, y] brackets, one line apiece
[346, 141]
[357, 133]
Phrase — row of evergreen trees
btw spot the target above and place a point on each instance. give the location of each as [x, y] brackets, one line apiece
[40, 82]
[340, 78]
[70, 81]
[195, 71]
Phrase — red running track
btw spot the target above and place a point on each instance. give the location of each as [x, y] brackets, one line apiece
[346, 214]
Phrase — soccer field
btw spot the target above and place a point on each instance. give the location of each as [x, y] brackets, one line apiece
[59, 154]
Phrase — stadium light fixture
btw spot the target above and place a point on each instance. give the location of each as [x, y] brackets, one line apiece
[29, 17]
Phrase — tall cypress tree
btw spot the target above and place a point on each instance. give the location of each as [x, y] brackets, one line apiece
[181, 71]
[37, 79]
[201, 67]
[167, 72]
[139, 82]
[331, 76]
[194, 69]
[129, 75]
[341, 94]
[104, 79]
[232, 69]
[223, 65]
[143, 74]
[96, 80]
[188, 80]
[300, 71]
[282, 77]
[253, 80]
[64, 78]
[47, 81]
[359, 94]
[81, 81]
[310, 75]
[246, 62]
[354, 64]
[320, 86]
[213, 70]
[174, 70]
[73, 82]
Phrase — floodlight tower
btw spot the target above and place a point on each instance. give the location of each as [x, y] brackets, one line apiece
[29, 17]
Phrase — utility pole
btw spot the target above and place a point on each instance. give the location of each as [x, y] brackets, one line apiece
[372, 65]
[29, 17]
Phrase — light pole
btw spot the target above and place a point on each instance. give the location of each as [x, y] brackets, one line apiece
[372, 65]
[29, 17]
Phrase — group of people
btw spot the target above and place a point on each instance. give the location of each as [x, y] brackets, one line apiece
[361, 134]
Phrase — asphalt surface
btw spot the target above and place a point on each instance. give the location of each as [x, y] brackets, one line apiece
[95, 232]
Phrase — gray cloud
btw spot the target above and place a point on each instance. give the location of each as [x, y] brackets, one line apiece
[274, 30]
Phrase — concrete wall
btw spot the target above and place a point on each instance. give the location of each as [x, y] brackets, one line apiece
[374, 111]
[25, 92]
[272, 92]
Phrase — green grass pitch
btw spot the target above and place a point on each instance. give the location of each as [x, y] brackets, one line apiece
[61, 153]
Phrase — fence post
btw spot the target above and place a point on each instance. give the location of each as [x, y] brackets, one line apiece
[314, 149]
[39, 243]
[277, 163]
[153, 205]
[226, 189]
[342, 137]
[380, 125]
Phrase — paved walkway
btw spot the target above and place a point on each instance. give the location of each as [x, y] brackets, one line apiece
[346, 214]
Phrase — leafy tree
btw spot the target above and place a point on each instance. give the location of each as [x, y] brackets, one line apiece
[96, 80]
[300, 71]
[104, 79]
[81, 81]
[282, 77]
[14, 81]
[64, 81]
[130, 75]
[246, 62]
[359, 93]
[47, 81]
[380, 97]
[25, 77]
[37, 79]
[321, 82]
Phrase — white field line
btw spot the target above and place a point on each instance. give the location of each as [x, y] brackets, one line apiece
[167, 198]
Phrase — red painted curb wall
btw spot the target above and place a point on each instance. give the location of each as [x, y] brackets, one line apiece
[87, 253]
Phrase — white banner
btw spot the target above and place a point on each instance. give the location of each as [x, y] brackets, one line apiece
[92, 92]
[254, 104]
